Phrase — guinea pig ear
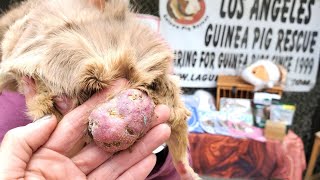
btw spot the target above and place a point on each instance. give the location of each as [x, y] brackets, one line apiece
[100, 4]
[283, 74]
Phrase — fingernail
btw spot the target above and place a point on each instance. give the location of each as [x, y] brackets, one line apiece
[45, 118]
[160, 148]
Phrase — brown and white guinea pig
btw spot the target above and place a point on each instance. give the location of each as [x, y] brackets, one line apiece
[264, 74]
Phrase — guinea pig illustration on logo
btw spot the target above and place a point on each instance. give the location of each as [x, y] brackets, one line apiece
[186, 11]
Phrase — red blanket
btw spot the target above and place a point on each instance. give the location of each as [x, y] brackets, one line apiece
[223, 156]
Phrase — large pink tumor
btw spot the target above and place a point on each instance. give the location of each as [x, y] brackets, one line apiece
[115, 125]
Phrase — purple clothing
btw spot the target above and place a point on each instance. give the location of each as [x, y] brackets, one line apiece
[166, 172]
[12, 114]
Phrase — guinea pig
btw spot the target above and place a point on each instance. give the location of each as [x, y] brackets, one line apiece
[76, 48]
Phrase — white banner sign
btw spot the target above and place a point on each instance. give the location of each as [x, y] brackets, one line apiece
[213, 37]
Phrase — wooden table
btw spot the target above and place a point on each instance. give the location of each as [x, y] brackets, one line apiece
[236, 87]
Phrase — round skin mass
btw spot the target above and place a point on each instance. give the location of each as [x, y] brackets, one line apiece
[115, 125]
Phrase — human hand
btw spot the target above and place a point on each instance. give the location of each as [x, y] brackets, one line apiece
[40, 149]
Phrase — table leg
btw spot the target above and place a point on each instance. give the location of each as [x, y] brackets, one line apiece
[313, 158]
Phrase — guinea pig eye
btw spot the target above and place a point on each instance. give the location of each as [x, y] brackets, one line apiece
[153, 86]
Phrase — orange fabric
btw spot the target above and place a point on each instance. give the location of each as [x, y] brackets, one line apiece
[224, 156]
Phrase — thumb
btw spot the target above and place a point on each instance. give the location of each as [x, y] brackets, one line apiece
[20, 143]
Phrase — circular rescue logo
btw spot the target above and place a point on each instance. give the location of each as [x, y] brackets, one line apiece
[186, 12]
